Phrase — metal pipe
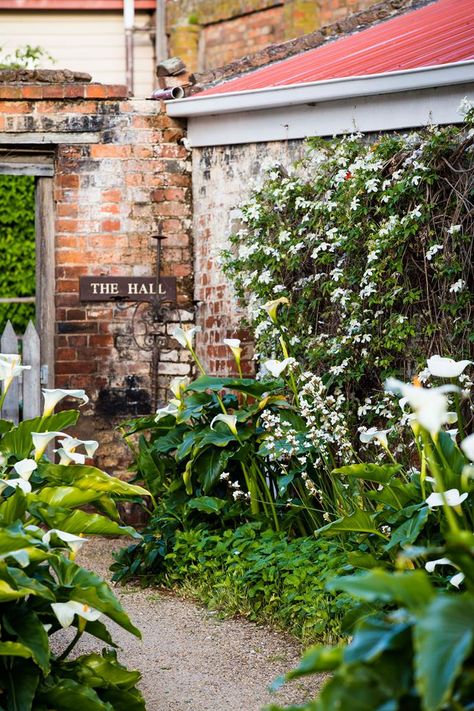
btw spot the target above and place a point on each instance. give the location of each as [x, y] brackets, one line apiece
[175, 92]
[129, 25]
[161, 41]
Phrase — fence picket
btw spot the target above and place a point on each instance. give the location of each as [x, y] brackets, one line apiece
[31, 378]
[9, 344]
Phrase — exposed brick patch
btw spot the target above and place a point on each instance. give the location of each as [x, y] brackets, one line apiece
[277, 52]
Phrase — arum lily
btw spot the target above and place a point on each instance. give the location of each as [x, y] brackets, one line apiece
[65, 612]
[22, 484]
[68, 456]
[446, 367]
[457, 579]
[467, 446]
[25, 468]
[234, 345]
[452, 497]
[3, 460]
[53, 396]
[41, 441]
[271, 307]
[171, 408]
[380, 436]
[229, 420]
[431, 564]
[178, 385]
[185, 336]
[70, 444]
[9, 368]
[276, 367]
[75, 543]
[429, 404]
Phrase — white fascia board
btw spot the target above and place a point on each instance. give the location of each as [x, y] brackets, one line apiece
[374, 113]
[321, 91]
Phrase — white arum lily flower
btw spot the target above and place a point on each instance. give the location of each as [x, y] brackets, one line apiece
[271, 307]
[429, 404]
[41, 441]
[452, 497]
[172, 408]
[373, 433]
[431, 564]
[22, 484]
[276, 367]
[68, 456]
[53, 396]
[70, 444]
[3, 460]
[457, 579]
[451, 418]
[234, 345]
[25, 468]
[10, 367]
[229, 420]
[446, 367]
[185, 336]
[178, 385]
[467, 446]
[75, 543]
[65, 612]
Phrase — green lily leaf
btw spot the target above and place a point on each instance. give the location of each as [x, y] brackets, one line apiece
[396, 494]
[243, 385]
[25, 625]
[193, 406]
[89, 479]
[67, 496]
[209, 465]
[22, 683]
[78, 521]
[315, 659]
[381, 473]
[218, 437]
[411, 589]
[171, 440]
[67, 694]
[443, 639]
[207, 504]
[375, 636]
[15, 649]
[18, 441]
[14, 508]
[190, 440]
[358, 522]
[409, 531]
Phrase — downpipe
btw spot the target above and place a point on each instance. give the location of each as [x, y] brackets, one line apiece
[175, 92]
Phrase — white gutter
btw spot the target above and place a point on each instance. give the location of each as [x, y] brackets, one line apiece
[322, 91]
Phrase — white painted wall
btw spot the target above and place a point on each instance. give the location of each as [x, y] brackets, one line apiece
[83, 41]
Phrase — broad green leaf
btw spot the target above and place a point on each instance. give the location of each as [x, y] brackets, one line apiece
[374, 636]
[315, 659]
[89, 479]
[381, 473]
[396, 494]
[66, 496]
[409, 531]
[209, 465]
[7, 592]
[25, 624]
[454, 458]
[18, 441]
[78, 521]
[22, 581]
[443, 639]
[193, 406]
[207, 504]
[190, 440]
[358, 522]
[362, 560]
[411, 589]
[244, 385]
[23, 678]
[15, 649]
[218, 437]
[106, 668]
[14, 508]
[68, 695]
[171, 440]
[99, 630]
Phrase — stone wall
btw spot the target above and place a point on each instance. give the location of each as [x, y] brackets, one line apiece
[222, 179]
[120, 170]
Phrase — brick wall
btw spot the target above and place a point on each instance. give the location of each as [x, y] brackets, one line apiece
[119, 171]
[216, 215]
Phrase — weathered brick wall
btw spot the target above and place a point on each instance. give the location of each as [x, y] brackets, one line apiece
[216, 215]
[119, 171]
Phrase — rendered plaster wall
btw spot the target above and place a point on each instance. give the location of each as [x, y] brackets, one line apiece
[222, 179]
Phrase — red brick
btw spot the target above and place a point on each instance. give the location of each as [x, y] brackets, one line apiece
[110, 150]
[53, 91]
[14, 107]
[110, 225]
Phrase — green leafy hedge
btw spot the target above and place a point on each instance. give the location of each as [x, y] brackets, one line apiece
[17, 247]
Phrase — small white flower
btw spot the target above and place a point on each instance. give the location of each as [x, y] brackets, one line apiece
[53, 396]
[65, 612]
[75, 543]
[276, 367]
[467, 446]
[433, 250]
[454, 229]
[457, 286]
[25, 468]
[452, 497]
[224, 476]
[229, 420]
[185, 336]
[446, 367]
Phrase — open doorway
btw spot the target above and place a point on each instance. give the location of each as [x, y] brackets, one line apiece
[27, 279]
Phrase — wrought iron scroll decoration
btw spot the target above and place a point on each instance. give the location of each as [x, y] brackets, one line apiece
[149, 321]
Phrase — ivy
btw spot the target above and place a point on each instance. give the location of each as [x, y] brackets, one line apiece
[17, 247]
[371, 241]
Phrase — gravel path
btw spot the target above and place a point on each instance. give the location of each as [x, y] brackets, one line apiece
[190, 659]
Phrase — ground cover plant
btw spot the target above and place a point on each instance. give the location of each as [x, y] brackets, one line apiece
[42, 589]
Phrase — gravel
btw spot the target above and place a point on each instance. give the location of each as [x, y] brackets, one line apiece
[190, 659]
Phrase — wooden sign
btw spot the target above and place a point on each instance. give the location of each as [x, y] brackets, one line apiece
[126, 288]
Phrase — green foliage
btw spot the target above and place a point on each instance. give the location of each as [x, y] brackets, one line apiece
[17, 247]
[260, 574]
[371, 242]
[27, 57]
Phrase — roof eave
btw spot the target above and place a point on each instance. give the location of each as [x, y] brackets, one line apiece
[322, 91]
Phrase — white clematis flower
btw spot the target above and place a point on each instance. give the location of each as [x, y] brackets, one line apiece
[429, 404]
[25, 468]
[373, 433]
[22, 484]
[446, 367]
[229, 420]
[185, 336]
[467, 446]
[75, 543]
[65, 612]
[451, 497]
[178, 385]
[10, 367]
[41, 441]
[53, 396]
[276, 367]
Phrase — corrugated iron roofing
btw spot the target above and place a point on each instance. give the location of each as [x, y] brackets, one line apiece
[440, 33]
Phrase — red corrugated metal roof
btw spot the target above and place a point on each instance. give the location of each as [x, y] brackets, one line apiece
[73, 4]
[440, 33]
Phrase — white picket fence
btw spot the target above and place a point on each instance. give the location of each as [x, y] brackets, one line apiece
[23, 399]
